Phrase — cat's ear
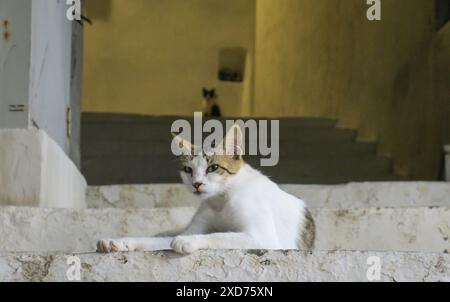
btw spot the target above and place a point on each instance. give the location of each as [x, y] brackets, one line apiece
[233, 143]
[184, 146]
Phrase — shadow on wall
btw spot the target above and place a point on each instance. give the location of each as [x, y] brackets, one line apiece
[99, 9]
[442, 8]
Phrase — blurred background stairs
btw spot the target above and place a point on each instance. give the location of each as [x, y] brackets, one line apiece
[133, 149]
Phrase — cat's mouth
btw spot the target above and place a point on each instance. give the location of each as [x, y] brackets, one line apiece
[199, 193]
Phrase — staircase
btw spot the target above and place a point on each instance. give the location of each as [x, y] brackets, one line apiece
[405, 225]
[130, 149]
[135, 192]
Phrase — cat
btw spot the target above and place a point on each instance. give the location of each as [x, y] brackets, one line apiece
[241, 208]
[210, 106]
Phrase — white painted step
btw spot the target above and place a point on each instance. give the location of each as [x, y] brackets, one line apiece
[353, 195]
[231, 266]
[384, 229]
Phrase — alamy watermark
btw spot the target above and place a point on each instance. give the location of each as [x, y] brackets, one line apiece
[374, 11]
[253, 138]
[74, 11]
[73, 273]
[374, 271]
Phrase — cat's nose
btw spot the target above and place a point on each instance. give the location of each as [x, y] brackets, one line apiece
[197, 185]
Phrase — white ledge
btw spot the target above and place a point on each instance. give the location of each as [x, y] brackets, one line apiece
[384, 229]
[244, 266]
[353, 195]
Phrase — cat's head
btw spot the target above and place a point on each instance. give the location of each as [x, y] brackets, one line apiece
[209, 173]
[209, 94]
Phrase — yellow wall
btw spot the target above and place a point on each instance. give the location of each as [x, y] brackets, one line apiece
[389, 79]
[324, 58]
[154, 56]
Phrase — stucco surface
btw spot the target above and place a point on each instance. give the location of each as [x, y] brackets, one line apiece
[231, 266]
[353, 195]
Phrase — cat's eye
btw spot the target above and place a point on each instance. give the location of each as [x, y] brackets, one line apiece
[212, 169]
[187, 170]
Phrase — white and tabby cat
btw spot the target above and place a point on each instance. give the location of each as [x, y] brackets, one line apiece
[241, 209]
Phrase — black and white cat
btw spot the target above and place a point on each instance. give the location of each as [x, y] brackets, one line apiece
[241, 209]
[211, 107]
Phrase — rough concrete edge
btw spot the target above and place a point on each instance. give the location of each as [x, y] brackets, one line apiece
[354, 194]
[233, 265]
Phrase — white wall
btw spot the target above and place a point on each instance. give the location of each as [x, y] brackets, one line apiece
[36, 72]
[34, 171]
[36, 69]
[51, 36]
[14, 61]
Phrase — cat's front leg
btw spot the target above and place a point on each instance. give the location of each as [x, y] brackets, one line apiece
[149, 244]
[186, 244]
[116, 245]
[215, 241]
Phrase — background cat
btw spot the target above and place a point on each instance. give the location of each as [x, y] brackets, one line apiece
[210, 106]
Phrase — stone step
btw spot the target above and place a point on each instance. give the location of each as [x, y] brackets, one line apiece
[288, 149]
[349, 176]
[383, 229]
[139, 170]
[132, 149]
[353, 195]
[111, 118]
[225, 266]
[159, 134]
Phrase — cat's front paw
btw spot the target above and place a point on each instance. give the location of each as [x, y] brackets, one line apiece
[114, 246]
[184, 245]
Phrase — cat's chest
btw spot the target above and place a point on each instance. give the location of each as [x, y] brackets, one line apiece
[226, 217]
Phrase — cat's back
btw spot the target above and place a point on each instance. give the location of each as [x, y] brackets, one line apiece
[257, 185]
[257, 193]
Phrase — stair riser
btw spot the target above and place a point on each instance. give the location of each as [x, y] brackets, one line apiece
[95, 119]
[287, 167]
[143, 170]
[354, 195]
[30, 229]
[124, 134]
[97, 180]
[288, 149]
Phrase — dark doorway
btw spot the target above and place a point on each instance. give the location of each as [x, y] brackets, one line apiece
[442, 13]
